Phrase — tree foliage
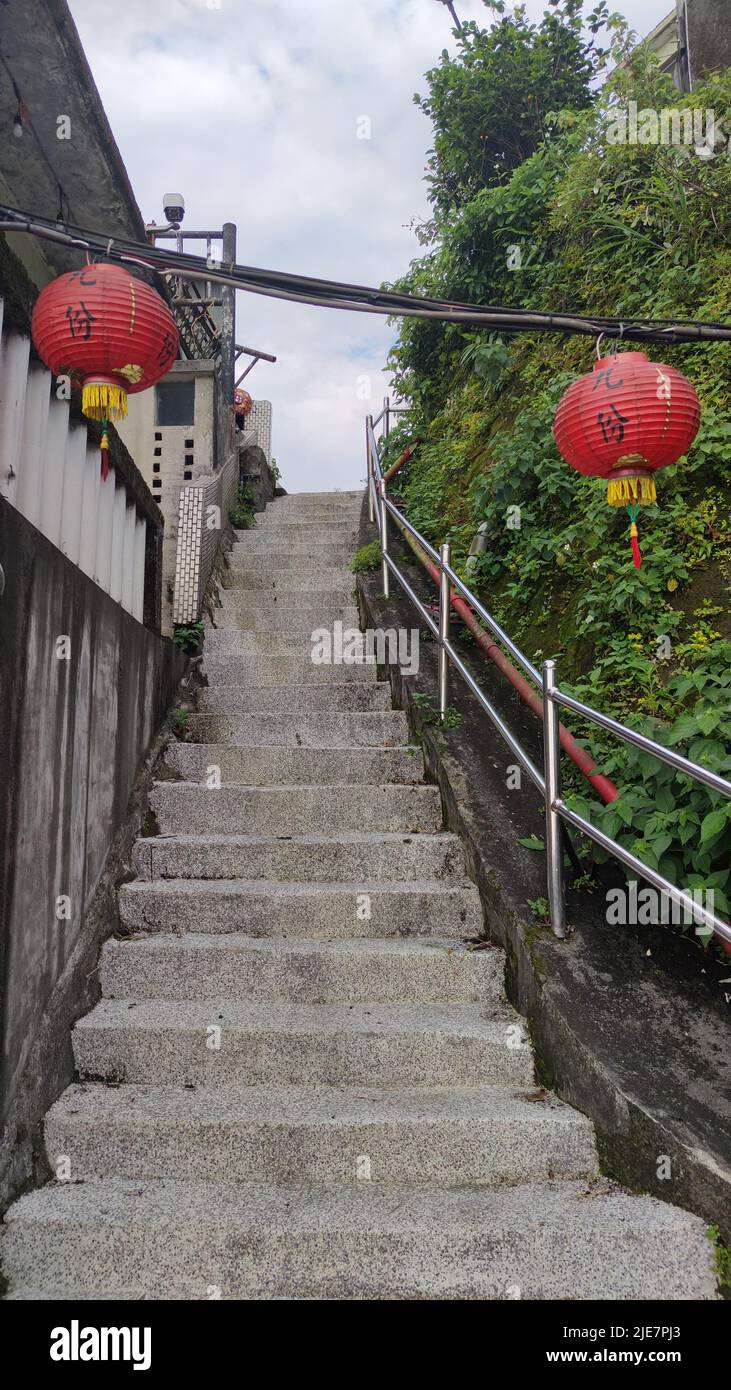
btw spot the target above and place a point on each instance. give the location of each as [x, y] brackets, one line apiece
[599, 228]
[494, 103]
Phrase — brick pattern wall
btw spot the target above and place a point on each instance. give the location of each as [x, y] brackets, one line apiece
[202, 515]
[259, 421]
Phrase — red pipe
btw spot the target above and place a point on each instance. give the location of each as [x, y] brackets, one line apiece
[406, 455]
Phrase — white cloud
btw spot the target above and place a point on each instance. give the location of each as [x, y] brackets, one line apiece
[250, 109]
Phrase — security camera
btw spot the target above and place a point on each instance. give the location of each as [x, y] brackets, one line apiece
[174, 207]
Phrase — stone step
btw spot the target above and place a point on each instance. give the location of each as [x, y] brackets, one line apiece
[298, 642]
[257, 767]
[319, 911]
[192, 808]
[294, 505]
[288, 577]
[170, 1042]
[300, 571]
[162, 1238]
[228, 668]
[313, 525]
[301, 501]
[266, 617]
[479, 1135]
[325, 522]
[269, 559]
[339, 544]
[316, 517]
[266, 970]
[262, 603]
[245, 699]
[355, 857]
[314, 536]
[382, 729]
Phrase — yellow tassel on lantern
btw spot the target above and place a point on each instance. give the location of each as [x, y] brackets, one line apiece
[102, 399]
[104, 446]
[623, 491]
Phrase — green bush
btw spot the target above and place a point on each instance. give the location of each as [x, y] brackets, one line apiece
[670, 821]
[367, 558]
[242, 514]
[188, 636]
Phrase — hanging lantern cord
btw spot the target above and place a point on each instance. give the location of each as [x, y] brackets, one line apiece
[634, 512]
[105, 449]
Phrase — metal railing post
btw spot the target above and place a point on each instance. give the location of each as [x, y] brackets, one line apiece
[385, 573]
[369, 464]
[445, 558]
[552, 773]
[386, 417]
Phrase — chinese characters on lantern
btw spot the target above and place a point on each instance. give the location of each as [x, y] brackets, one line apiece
[610, 421]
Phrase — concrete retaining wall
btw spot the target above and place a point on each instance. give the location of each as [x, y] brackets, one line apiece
[83, 688]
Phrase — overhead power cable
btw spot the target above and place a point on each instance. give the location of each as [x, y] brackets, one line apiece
[335, 294]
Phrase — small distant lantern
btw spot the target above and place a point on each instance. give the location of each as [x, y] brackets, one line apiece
[242, 402]
[624, 421]
[110, 333]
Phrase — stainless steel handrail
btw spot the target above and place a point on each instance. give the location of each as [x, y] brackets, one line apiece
[423, 612]
[648, 745]
[515, 747]
[548, 782]
[495, 628]
[406, 525]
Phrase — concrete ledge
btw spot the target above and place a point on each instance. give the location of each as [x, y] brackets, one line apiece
[628, 1024]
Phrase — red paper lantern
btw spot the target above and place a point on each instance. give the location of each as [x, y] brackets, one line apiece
[242, 401]
[108, 331]
[625, 420]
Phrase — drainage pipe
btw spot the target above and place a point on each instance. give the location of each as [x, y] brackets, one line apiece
[406, 455]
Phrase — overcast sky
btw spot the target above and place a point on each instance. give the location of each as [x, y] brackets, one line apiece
[251, 109]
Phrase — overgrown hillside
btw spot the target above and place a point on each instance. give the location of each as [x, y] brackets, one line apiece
[577, 221]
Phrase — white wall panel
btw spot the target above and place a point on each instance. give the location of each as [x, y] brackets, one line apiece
[107, 492]
[119, 517]
[90, 509]
[73, 488]
[128, 558]
[53, 462]
[33, 443]
[14, 355]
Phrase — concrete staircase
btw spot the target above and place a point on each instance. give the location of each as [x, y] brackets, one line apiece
[303, 1078]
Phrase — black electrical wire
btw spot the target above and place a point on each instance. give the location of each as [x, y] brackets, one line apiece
[356, 298]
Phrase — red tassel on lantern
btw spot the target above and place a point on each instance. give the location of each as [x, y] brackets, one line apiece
[104, 446]
[636, 553]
